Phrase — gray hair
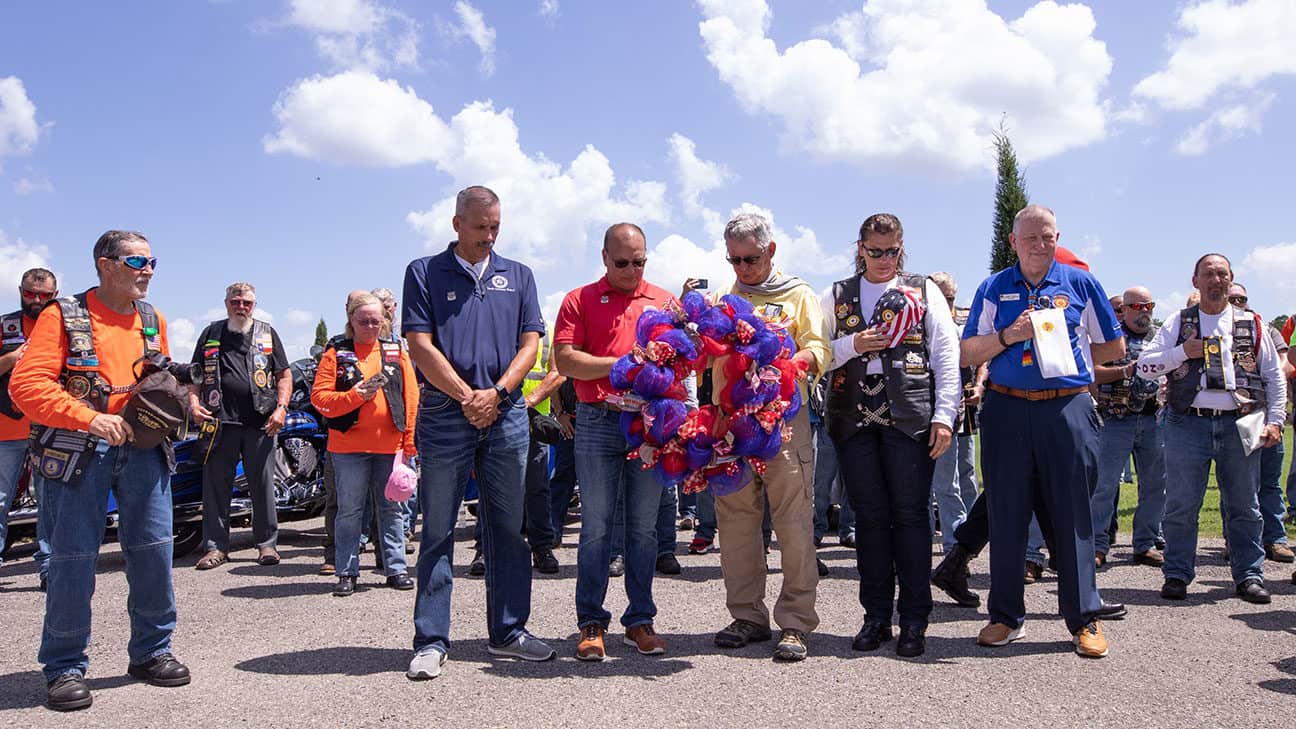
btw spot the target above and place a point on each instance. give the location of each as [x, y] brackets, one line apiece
[476, 195]
[239, 287]
[1034, 212]
[749, 225]
[110, 243]
[943, 279]
[384, 294]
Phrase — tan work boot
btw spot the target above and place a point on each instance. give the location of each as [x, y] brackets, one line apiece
[644, 638]
[998, 634]
[590, 647]
[1089, 641]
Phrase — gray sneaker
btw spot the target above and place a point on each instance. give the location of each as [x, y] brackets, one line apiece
[526, 647]
[426, 664]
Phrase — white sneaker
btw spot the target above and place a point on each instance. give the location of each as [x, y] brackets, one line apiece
[426, 664]
[526, 647]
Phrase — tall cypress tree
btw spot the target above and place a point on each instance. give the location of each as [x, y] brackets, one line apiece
[1010, 198]
[321, 333]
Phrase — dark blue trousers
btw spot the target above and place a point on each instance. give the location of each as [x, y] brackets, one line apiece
[1040, 456]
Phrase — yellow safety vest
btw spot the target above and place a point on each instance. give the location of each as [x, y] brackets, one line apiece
[538, 372]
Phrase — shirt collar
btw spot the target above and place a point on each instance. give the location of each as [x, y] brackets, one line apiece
[1051, 276]
[606, 288]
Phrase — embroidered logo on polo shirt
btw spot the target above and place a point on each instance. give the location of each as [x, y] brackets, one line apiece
[498, 282]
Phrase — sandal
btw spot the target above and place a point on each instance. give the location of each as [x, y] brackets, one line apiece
[214, 558]
[267, 556]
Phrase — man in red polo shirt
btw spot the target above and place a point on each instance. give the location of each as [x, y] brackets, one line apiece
[596, 325]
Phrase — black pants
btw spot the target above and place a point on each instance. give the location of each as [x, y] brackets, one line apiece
[888, 476]
[974, 533]
[256, 449]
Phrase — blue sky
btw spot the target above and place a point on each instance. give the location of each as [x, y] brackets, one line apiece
[314, 146]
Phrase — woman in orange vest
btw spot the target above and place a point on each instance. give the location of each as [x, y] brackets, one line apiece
[365, 386]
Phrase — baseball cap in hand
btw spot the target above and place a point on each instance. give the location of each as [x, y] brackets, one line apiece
[156, 409]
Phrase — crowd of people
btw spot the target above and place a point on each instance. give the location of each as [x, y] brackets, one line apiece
[1064, 384]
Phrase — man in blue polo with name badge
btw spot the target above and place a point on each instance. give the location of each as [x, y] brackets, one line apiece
[473, 323]
[1039, 430]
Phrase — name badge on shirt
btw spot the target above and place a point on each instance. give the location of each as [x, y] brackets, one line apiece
[1010, 297]
[451, 296]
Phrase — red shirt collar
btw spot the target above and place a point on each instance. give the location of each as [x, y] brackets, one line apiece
[606, 288]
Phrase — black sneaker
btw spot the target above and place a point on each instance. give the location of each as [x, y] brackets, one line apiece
[1253, 591]
[477, 567]
[68, 692]
[1174, 589]
[161, 670]
[667, 564]
[616, 567]
[871, 636]
[544, 561]
[741, 632]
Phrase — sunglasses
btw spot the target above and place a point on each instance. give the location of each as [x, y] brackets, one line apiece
[1146, 306]
[37, 295]
[1238, 300]
[139, 263]
[622, 263]
[749, 260]
[241, 303]
[881, 252]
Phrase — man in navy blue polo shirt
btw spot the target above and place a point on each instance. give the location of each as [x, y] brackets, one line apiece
[473, 323]
[1039, 434]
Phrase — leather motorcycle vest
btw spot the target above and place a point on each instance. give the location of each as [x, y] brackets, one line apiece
[349, 375]
[1129, 395]
[906, 371]
[13, 338]
[60, 454]
[261, 349]
[1185, 381]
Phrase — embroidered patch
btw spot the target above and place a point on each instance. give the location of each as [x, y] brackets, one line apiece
[78, 386]
[843, 311]
[498, 282]
[1061, 301]
[1010, 297]
[852, 321]
[260, 379]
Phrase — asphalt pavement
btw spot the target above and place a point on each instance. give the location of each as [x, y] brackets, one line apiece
[270, 647]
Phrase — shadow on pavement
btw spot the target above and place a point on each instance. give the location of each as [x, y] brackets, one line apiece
[26, 690]
[1281, 685]
[280, 589]
[283, 569]
[340, 660]
[1275, 620]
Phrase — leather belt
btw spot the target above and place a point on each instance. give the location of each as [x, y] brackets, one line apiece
[1212, 413]
[1036, 394]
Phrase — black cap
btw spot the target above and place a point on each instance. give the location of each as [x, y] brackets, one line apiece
[156, 409]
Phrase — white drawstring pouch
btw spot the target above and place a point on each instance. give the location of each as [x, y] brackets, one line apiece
[1052, 344]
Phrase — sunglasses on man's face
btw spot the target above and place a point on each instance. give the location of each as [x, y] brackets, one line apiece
[139, 263]
[881, 252]
[37, 295]
[1145, 306]
[622, 262]
[241, 303]
[1238, 300]
[749, 260]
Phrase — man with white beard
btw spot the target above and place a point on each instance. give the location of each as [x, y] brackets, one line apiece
[241, 403]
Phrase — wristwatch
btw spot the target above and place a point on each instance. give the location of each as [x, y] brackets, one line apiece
[503, 394]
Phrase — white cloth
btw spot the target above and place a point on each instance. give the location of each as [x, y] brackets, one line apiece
[1163, 356]
[1052, 344]
[477, 269]
[942, 343]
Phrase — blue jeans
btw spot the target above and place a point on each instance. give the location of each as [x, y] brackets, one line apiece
[954, 486]
[1291, 489]
[450, 447]
[687, 502]
[42, 553]
[665, 528]
[561, 484]
[825, 473]
[361, 478]
[1199, 440]
[706, 525]
[12, 453]
[1142, 436]
[605, 475]
[142, 486]
[1270, 496]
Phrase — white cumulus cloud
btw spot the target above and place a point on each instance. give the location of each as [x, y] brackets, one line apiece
[1223, 46]
[549, 9]
[695, 177]
[919, 82]
[182, 335]
[28, 186]
[16, 257]
[19, 130]
[355, 117]
[1227, 123]
[472, 25]
[358, 33]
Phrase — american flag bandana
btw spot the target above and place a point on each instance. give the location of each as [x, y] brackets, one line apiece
[897, 312]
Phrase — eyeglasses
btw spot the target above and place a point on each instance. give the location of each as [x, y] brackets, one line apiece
[1145, 306]
[1238, 300]
[370, 322]
[37, 295]
[622, 263]
[139, 263]
[241, 303]
[749, 260]
[880, 252]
